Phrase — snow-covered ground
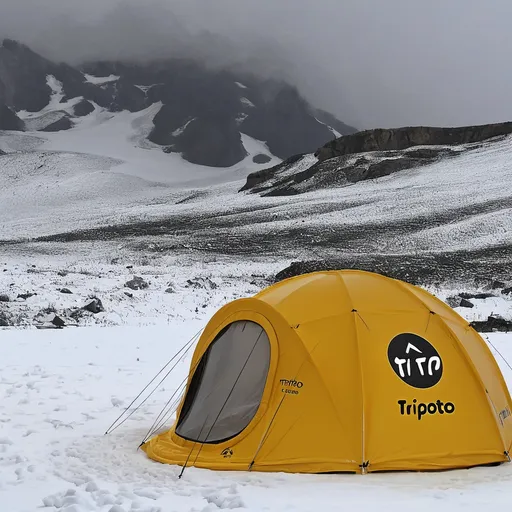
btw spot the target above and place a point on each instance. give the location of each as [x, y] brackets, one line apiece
[197, 243]
[61, 389]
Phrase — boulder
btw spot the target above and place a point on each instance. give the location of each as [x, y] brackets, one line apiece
[493, 323]
[136, 283]
[464, 303]
[94, 306]
[484, 295]
[4, 321]
[58, 322]
[4, 298]
[26, 296]
[204, 283]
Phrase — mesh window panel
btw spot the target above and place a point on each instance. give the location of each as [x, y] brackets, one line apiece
[226, 388]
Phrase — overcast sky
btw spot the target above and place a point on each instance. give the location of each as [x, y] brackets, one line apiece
[373, 63]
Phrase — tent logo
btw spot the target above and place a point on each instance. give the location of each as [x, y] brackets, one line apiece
[420, 409]
[415, 361]
[287, 384]
[227, 453]
[504, 415]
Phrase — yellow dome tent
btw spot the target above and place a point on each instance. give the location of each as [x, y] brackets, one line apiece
[339, 371]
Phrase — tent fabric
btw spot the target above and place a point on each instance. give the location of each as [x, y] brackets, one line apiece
[351, 372]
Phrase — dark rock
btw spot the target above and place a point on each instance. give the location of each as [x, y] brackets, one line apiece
[64, 123]
[26, 296]
[95, 306]
[261, 158]
[128, 294]
[497, 284]
[62, 273]
[65, 290]
[208, 142]
[204, 283]
[137, 283]
[9, 120]
[259, 177]
[58, 322]
[285, 121]
[23, 77]
[4, 298]
[83, 108]
[4, 321]
[169, 290]
[453, 302]
[188, 90]
[406, 137]
[507, 291]
[466, 304]
[467, 295]
[493, 323]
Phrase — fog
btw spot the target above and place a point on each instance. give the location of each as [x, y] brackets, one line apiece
[373, 63]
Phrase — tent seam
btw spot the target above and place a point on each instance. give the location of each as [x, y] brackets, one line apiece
[363, 401]
[476, 374]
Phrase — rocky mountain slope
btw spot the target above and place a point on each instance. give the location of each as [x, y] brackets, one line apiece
[368, 155]
[203, 112]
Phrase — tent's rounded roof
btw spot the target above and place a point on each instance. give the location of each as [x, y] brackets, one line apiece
[321, 294]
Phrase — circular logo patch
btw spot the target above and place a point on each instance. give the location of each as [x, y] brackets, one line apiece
[415, 360]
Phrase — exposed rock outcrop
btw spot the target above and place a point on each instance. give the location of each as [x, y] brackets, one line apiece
[261, 158]
[83, 108]
[64, 123]
[369, 155]
[9, 120]
[396, 139]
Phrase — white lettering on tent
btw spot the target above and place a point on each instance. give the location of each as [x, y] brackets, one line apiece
[420, 362]
[434, 364]
[415, 360]
[399, 363]
[410, 347]
[437, 361]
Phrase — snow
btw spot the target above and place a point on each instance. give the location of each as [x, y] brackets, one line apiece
[336, 133]
[100, 80]
[242, 116]
[247, 102]
[55, 110]
[480, 178]
[242, 86]
[61, 389]
[106, 168]
[181, 129]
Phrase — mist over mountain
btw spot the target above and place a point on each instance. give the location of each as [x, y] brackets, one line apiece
[372, 64]
[201, 111]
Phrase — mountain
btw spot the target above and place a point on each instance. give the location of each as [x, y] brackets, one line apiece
[202, 112]
[368, 155]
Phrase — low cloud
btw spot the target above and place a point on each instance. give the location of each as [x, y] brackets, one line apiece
[372, 63]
